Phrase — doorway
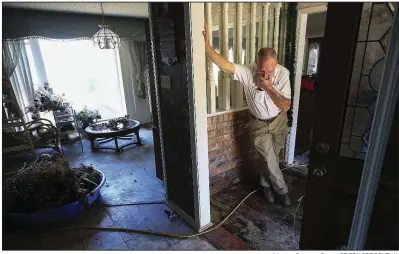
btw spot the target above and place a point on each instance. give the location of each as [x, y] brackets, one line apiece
[328, 212]
[309, 82]
[184, 175]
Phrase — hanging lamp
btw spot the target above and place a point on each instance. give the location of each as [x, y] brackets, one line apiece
[105, 38]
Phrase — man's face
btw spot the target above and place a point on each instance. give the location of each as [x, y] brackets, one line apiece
[267, 66]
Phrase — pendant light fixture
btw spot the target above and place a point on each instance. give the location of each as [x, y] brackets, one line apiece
[105, 38]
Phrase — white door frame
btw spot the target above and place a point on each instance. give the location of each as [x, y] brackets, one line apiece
[302, 19]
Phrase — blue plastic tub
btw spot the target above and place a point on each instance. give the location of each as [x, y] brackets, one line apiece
[54, 215]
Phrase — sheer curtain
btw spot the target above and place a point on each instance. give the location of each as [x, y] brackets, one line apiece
[139, 56]
[133, 60]
[16, 65]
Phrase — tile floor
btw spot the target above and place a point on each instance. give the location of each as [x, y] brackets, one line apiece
[150, 217]
[130, 178]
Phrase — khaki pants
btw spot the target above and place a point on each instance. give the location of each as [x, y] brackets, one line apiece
[269, 139]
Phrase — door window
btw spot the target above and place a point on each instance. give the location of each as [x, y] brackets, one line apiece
[372, 45]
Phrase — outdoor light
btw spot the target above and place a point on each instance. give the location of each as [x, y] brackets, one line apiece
[105, 38]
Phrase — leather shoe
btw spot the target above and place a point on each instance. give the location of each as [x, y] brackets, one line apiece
[269, 196]
[285, 200]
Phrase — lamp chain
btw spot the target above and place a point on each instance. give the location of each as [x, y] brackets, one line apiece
[102, 12]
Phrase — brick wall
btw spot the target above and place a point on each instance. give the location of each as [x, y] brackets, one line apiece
[229, 147]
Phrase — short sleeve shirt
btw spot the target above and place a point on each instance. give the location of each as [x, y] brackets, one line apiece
[260, 103]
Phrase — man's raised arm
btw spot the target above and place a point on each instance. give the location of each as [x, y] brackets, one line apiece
[218, 59]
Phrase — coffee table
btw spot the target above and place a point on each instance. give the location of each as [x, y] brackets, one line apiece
[102, 135]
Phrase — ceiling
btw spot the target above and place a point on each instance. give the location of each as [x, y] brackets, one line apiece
[125, 9]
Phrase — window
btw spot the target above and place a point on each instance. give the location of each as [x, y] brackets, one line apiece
[87, 75]
[313, 56]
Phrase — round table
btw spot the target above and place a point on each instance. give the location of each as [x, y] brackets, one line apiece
[99, 135]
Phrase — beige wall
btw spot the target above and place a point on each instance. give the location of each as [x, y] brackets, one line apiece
[316, 25]
[307, 5]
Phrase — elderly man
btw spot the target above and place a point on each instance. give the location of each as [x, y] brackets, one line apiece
[268, 92]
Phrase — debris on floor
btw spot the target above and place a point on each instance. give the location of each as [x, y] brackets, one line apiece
[172, 216]
[47, 183]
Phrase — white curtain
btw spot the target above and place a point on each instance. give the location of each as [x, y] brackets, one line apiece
[136, 50]
[134, 73]
[15, 61]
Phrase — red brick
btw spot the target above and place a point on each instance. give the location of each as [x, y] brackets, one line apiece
[228, 116]
[215, 146]
[222, 157]
[212, 159]
[225, 168]
[218, 133]
[228, 143]
[212, 153]
[221, 150]
[211, 126]
[228, 129]
[228, 136]
[214, 172]
[212, 141]
[219, 139]
[221, 125]
[224, 138]
[211, 134]
[212, 167]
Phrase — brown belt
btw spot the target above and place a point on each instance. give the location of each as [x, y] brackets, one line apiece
[265, 120]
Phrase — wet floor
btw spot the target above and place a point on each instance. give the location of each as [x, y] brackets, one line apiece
[130, 179]
[260, 225]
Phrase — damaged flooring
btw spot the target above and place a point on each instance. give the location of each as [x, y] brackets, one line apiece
[148, 217]
[130, 179]
[260, 225]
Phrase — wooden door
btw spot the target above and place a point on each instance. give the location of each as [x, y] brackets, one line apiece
[352, 61]
[170, 54]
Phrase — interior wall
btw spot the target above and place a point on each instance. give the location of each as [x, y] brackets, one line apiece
[316, 24]
[314, 29]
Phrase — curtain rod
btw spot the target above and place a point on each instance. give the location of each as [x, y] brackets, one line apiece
[64, 40]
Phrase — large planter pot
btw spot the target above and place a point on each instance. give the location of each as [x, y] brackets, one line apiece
[57, 214]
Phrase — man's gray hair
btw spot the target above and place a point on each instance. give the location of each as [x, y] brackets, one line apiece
[266, 54]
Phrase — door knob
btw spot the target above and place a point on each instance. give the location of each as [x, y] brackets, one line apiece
[319, 172]
[322, 147]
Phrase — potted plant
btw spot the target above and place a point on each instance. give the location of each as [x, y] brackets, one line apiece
[87, 116]
[45, 101]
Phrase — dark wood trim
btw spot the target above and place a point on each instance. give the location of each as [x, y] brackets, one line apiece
[336, 64]
[154, 109]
